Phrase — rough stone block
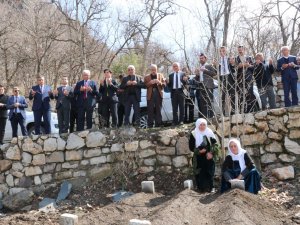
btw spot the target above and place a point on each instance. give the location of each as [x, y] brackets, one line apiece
[145, 144]
[74, 155]
[5, 165]
[68, 219]
[32, 171]
[284, 173]
[13, 153]
[116, 147]
[291, 146]
[180, 161]
[164, 160]
[50, 145]
[182, 146]
[46, 178]
[131, 146]
[74, 142]
[148, 187]
[55, 157]
[38, 160]
[91, 153]
[287, 158]
[70, 165]
[146, 153]
[98, 160]
[165, 150]
[26, 158]
[95, 139]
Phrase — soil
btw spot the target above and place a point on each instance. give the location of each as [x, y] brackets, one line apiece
[170, 205]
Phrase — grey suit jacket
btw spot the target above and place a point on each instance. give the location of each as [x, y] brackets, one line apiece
[208, 75]
[63, 100]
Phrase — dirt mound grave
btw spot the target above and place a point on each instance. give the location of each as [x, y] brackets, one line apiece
[190, 208]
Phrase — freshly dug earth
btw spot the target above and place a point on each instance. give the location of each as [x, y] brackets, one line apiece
[189, 207]
[171, 205]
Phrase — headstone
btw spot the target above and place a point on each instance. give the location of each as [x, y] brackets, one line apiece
[240, 184]
[139, 222]
[65, 190]
[188, 184]
[148, 187]
[47, 205]
[68, 219]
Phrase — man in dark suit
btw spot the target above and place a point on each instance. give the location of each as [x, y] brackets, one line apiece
[41, 95]
[63, 96]
[17, 116]
[155, 83]
[121, 103]
[176, 83]
[73, 111]
[3, 112]
[132, 85]
[287, 64]
[108, 98]
[86, 93]
[244, 87]
[206, 87]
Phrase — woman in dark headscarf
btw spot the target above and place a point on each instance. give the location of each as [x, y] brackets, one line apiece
[204, 145]
[239, 166]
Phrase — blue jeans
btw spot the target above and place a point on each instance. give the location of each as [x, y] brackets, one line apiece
[298, 90]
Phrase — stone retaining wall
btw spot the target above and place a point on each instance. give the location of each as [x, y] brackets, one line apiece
[272, 138]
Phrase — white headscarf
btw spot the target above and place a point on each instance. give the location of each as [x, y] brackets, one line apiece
[199, 134]
[241, 153]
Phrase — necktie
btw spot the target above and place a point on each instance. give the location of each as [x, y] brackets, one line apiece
[85, 92]
[224, 70]
[106, 87]
[176, 82]
[16, 101]
[41, 87]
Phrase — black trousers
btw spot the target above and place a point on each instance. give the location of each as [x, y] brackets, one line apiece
[154, 109]
[15, 120]
[205, 100]
[85, 114]
[189, 109]
[109, 109]
[132, 101]
[38, 114]
[73, 119]
[228, 90]
[178, 102]
[63, 116]
[2, 129]
[245, 91]
[121, 114]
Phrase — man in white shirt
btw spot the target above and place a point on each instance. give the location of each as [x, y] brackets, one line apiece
[226, 78]
[176, 81]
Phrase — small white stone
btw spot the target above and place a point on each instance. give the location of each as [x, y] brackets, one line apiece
[139, 222]
[148, 187]
[68, 219]
[37, 180]
[188, 184]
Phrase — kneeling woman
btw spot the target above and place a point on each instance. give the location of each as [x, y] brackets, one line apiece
[238, 165]
[203, 143]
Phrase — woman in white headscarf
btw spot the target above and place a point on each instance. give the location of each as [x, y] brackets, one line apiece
[204, 145]
[239, 166]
